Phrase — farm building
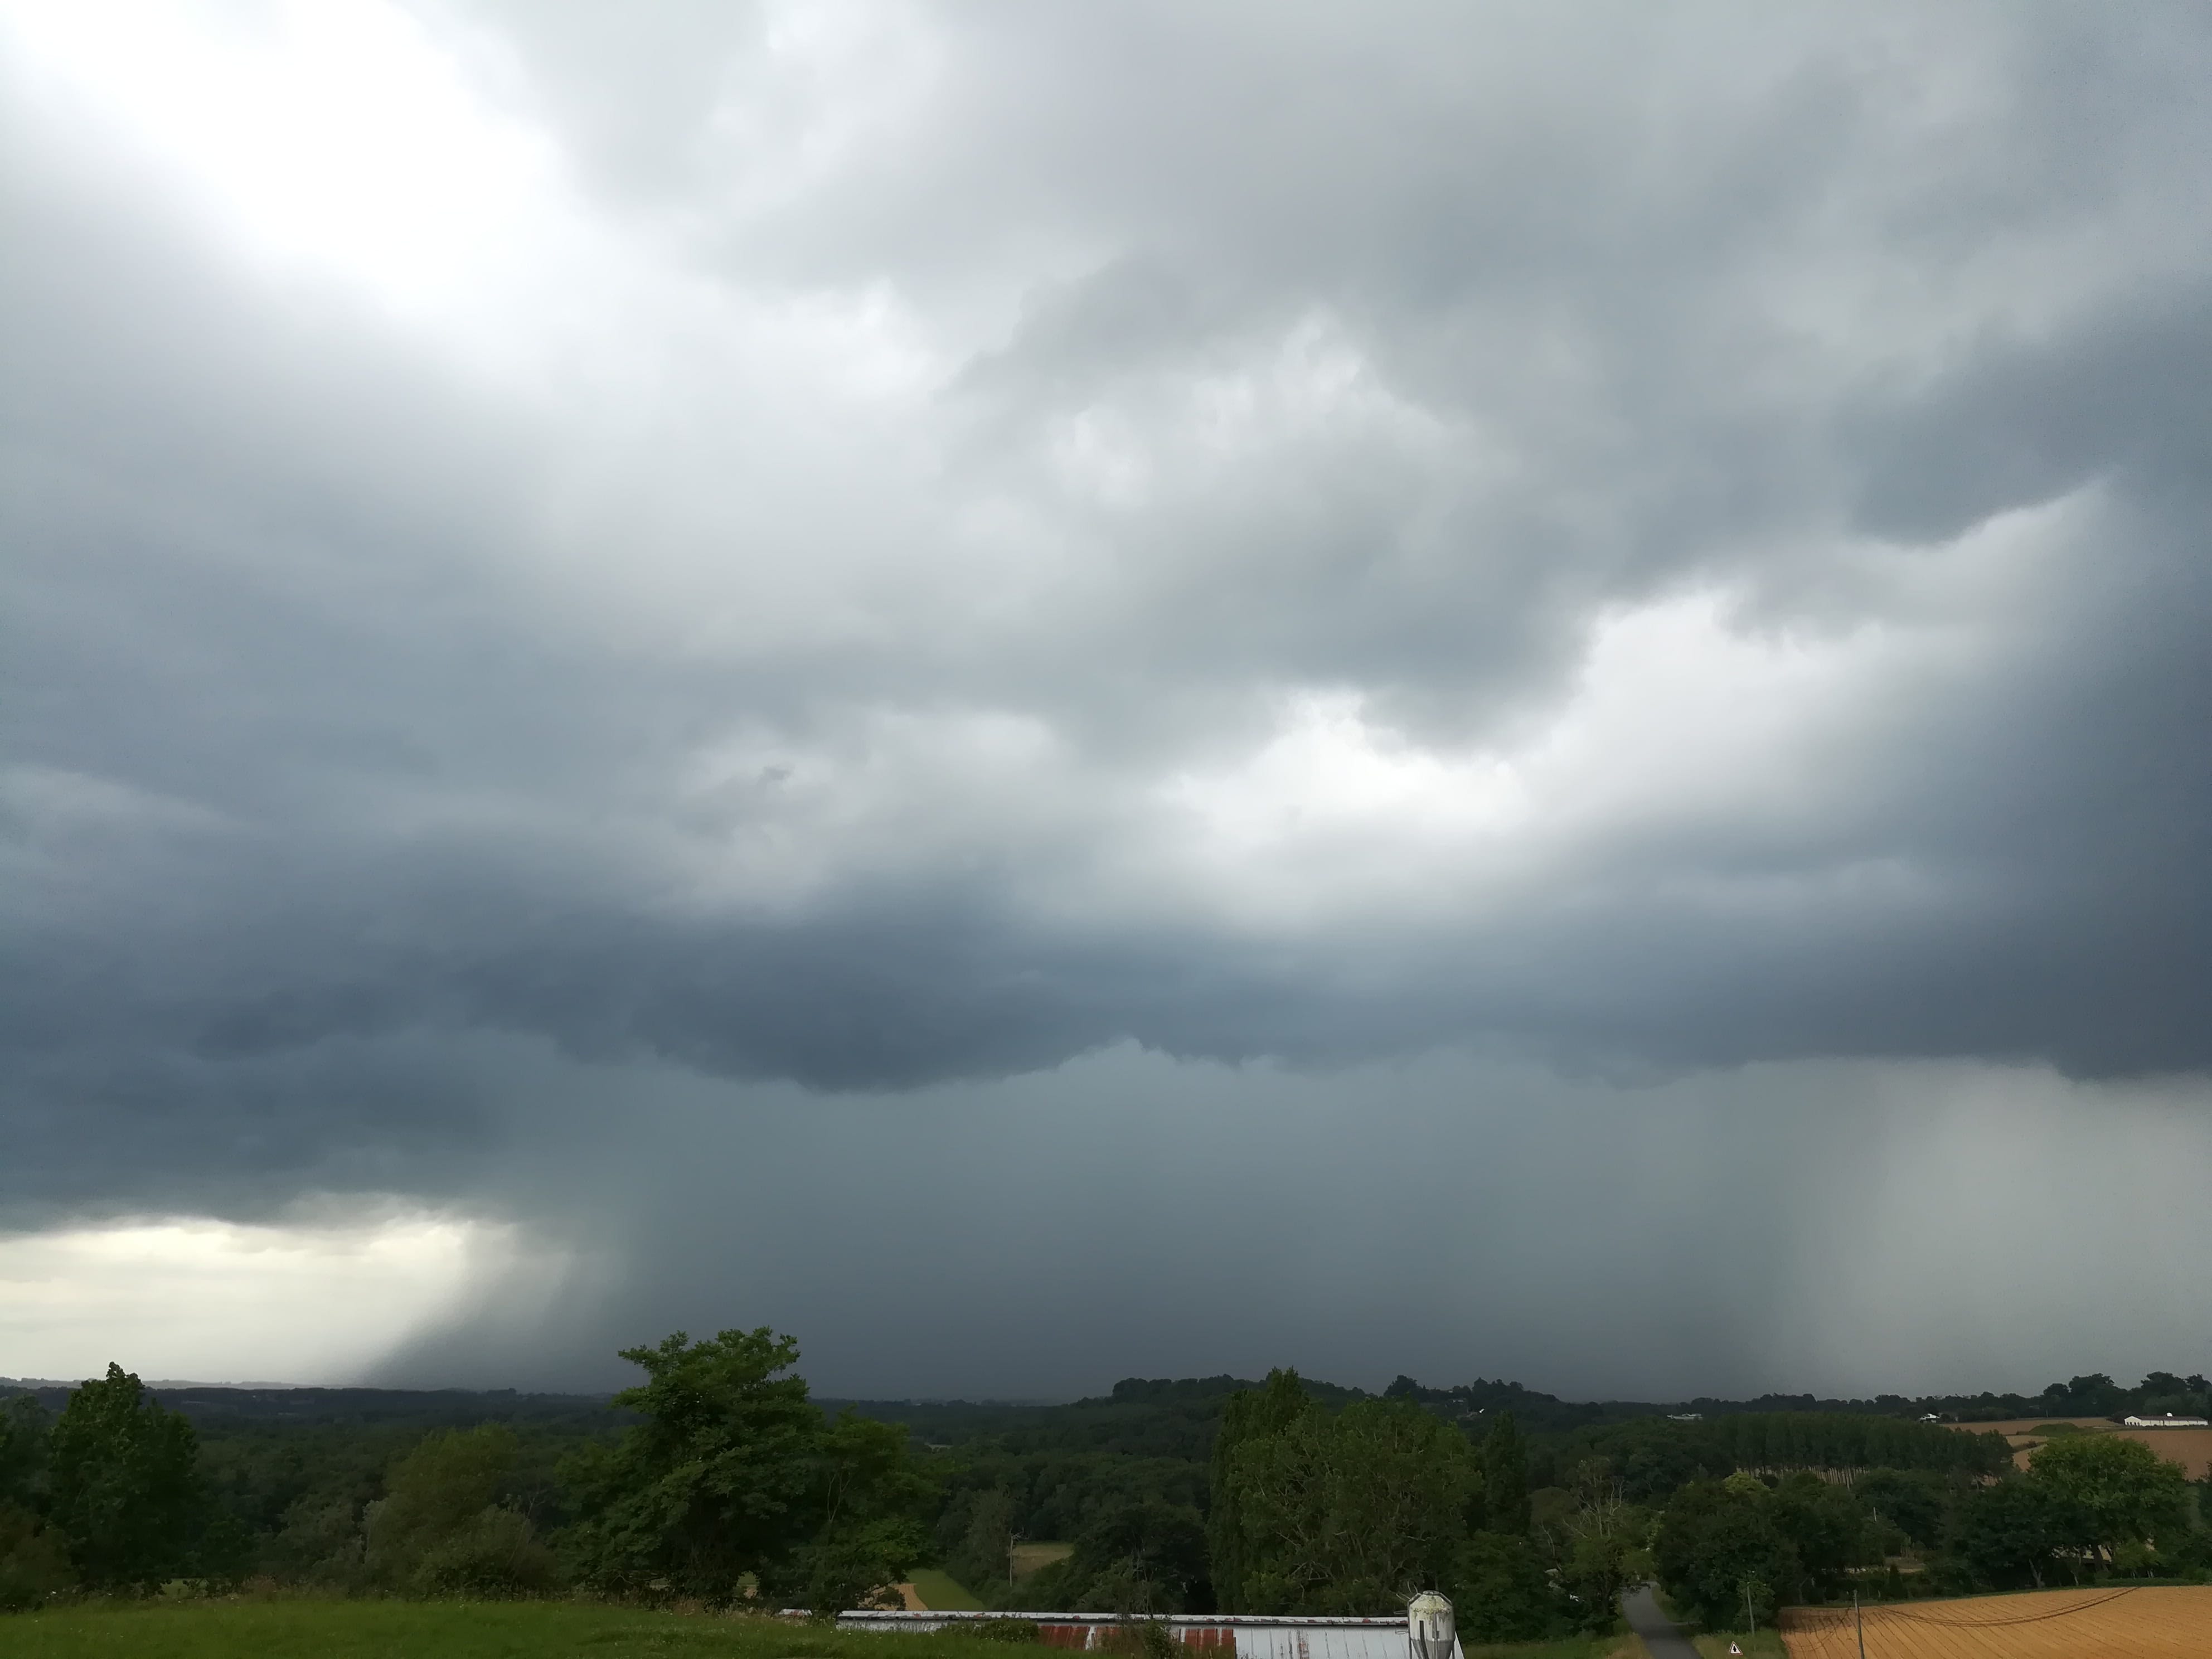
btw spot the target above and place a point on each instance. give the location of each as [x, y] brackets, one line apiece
[2167, 1420]
[1229, 1636]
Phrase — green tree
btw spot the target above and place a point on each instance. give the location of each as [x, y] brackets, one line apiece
[1504, 1477]
[1147, 1557]
[1502, 1593]
[318, 1541]
[1911, 1500]
[733, 1473]
[2007, 1534]
[126, 1498]
[2093, 1395]
[1590, 1533]
[862, 1514]
[31, 1565]
[1342, 1513]
[442, 1529]
[1249, 1415]
[2105, 1491]
[1826, 1526]
[980, 1557]
[1718, 1541]
[1594, 1571]
[24, 1433]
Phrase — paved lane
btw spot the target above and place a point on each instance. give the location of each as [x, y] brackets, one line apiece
[1648, 1622]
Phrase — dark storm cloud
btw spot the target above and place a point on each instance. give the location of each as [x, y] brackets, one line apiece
[849, 657]
[1452, 1216]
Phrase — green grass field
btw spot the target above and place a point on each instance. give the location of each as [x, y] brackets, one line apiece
[1766, 1644]
[438, 1630]
[1575, 1647]
[941, 1593]
[1037, 1556]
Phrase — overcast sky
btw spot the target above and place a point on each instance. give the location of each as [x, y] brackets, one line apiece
[1058, 690]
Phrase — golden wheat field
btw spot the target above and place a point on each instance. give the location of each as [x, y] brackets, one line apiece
[2151, 1622]
[2191, 1448]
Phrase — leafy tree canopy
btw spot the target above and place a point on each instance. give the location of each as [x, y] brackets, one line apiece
[1343, 1513]
[444, 1528]
[1721, 1554]
[1827, 1527]
[1504, 1477]
[733, 1473]
[1248, 1416]
[1501, 1592]
[1140, 1558]
[126, 1498]
[2008, 1535]
[24, 1445]
[2105, 1491]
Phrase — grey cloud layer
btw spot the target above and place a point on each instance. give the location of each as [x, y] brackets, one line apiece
[1449, 1217]
[691, 711]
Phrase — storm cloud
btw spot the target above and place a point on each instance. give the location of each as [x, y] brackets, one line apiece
[660, 625]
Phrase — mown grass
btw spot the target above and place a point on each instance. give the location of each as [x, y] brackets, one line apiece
[1575, 1647]
[441, 1630]
[1766, 1644]
[940, 1592]
[1037, 1555]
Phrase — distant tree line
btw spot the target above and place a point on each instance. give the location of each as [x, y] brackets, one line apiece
[719, 1479]
[2093, 1395]
[729, 1485]
[1654, 1456]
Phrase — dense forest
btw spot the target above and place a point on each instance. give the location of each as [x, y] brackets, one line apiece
[720, 1479]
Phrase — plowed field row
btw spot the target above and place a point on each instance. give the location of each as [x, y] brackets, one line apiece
[2155, 1622]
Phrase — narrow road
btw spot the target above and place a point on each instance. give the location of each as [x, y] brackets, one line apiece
[1644, 1618]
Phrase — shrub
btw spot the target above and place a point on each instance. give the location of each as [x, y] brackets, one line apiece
[1142, 1639]
[1001, 1630]
[319, 1544]
[496, 1554]
[32, 1566]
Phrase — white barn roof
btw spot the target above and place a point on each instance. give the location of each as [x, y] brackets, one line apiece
[1242, 1635]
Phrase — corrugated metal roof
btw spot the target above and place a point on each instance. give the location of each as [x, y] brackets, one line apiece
[1250, 1636]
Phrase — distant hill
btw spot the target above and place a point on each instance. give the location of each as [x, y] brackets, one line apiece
[1168, 1417]
[215, 1405]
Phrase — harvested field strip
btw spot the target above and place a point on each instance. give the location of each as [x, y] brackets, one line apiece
[2151, 1622]
[1036, 1557]
[940, 1593]
[2191, 1448]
